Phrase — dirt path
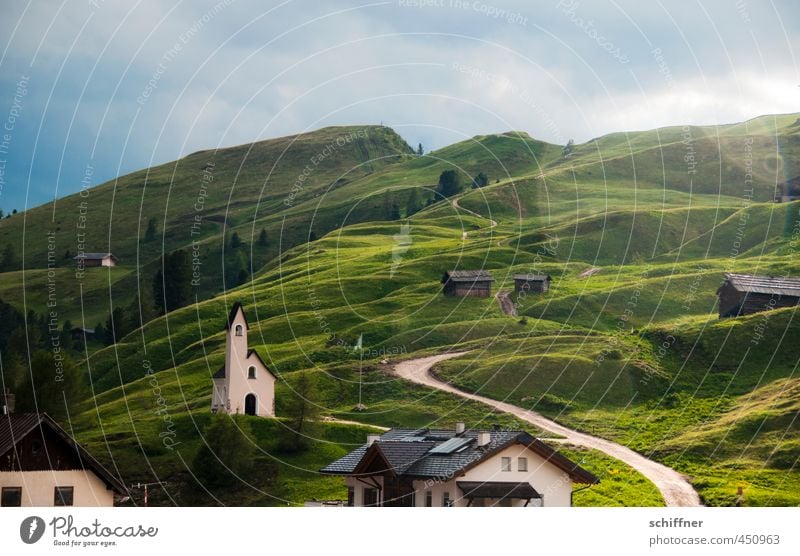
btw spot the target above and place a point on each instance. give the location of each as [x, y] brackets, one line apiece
[675, 489]
[492, 223]
[506, 305]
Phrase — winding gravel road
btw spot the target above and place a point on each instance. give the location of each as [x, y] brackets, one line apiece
[674, 487]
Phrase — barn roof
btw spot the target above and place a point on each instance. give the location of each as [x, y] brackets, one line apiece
[772, 285]
[533, 277]
[95, 256]
[16, 426]
[469, 275]
[429, 453]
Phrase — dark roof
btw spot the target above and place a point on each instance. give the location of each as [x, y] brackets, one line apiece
[16, 426]
[250, 352]
[468, 275]
[775, 285]
[532, 277]
[83, 330]
[408, 452]
[232, 316]
[95, 256]
[497, 490]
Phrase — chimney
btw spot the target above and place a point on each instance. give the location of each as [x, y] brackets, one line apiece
[8, 402]
[484, 437]
[460, 428]
[371, 438]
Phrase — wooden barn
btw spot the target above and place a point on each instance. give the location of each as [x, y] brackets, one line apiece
[744, 294]
[96, 259]
[788, 191]
[527, 283]
[467, 283]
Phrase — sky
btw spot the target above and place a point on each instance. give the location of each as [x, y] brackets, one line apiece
[90, 90]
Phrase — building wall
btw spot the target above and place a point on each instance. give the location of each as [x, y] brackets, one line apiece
[108, 261]
[537, 286]
[219, 395]
[358, 489]
[38, 487]
[730, 298]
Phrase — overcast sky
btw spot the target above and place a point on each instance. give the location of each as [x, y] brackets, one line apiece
[91, 90]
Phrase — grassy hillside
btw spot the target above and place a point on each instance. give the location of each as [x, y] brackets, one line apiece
[633, 352]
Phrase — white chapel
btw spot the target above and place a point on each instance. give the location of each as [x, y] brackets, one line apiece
[244, 384]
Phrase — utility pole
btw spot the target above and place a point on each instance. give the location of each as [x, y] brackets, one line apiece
[144, 486]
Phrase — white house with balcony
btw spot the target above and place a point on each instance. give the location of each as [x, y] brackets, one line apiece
[430, 468]
[244, 384]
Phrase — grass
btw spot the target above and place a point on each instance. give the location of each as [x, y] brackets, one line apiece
[589, 353]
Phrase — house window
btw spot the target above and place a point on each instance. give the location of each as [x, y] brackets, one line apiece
[251, 372]
[11, 496]
[370, 496]
[505, 464]
[63, 496]
[446, 502]
[239, 329]
[428, 499]
[522, 464]
[351, 497]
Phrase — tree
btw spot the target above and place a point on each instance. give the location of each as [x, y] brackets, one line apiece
[8, 260]
[11, 320]
[99, 332]
[150, 233]
[312, 236]
[449, 183]
[53, 385]
[420, 150]
[412, 203]
[226, 455]
[568, 148]
[302, 411]
[172, 283]
[236, 241]
[117, 326]
[480, 180]
[262, 238]
[141, 309]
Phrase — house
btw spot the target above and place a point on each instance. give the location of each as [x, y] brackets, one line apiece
[743, 294]
[244, 384]
[527, 283]
[788, 191]
[42, 465]
[78, 333]
[467, 283]
[457, 467]
[86, 260]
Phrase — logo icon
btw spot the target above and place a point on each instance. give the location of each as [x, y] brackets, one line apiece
[31, 529]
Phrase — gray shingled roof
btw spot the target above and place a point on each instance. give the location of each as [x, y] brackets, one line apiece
[532, 277]
[469, 275]
[772, 285]
[498, 489]
[408, 453]
[94, 256]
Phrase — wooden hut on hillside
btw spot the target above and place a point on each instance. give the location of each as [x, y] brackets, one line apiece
[788, 191]
[744, 294]
[527, 283]
[467, 283]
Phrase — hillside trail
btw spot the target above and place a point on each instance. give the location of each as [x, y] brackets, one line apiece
[506, 305]
[492, 223]
[674, 487]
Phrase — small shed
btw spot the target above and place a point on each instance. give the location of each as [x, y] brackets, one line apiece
[527, 283]
[788, 191]
[467, 283]
[79, 333]
[744, 294]
[96, 259]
